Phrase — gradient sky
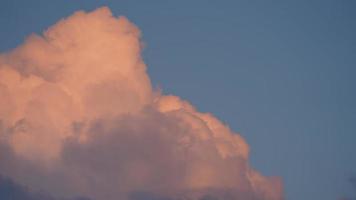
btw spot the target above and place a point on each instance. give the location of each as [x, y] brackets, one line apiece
[282, 73]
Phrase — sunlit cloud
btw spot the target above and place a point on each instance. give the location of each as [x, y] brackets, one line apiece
[79, 117]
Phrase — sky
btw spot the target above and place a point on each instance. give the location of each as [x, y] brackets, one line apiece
[280, 73]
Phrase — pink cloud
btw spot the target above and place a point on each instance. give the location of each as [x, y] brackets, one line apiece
[79, 117]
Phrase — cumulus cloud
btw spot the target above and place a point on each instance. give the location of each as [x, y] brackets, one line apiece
[79, 117]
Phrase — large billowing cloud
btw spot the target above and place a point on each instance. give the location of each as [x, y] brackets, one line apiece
[79, 117]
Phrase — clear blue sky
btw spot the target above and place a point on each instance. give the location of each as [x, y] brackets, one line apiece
[282, 73]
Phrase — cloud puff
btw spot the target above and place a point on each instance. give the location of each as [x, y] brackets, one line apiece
[79, 117]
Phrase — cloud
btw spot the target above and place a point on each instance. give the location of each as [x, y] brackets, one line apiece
[79, 117]
[9, 190]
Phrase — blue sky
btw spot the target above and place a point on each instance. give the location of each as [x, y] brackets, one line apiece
[281, 73]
